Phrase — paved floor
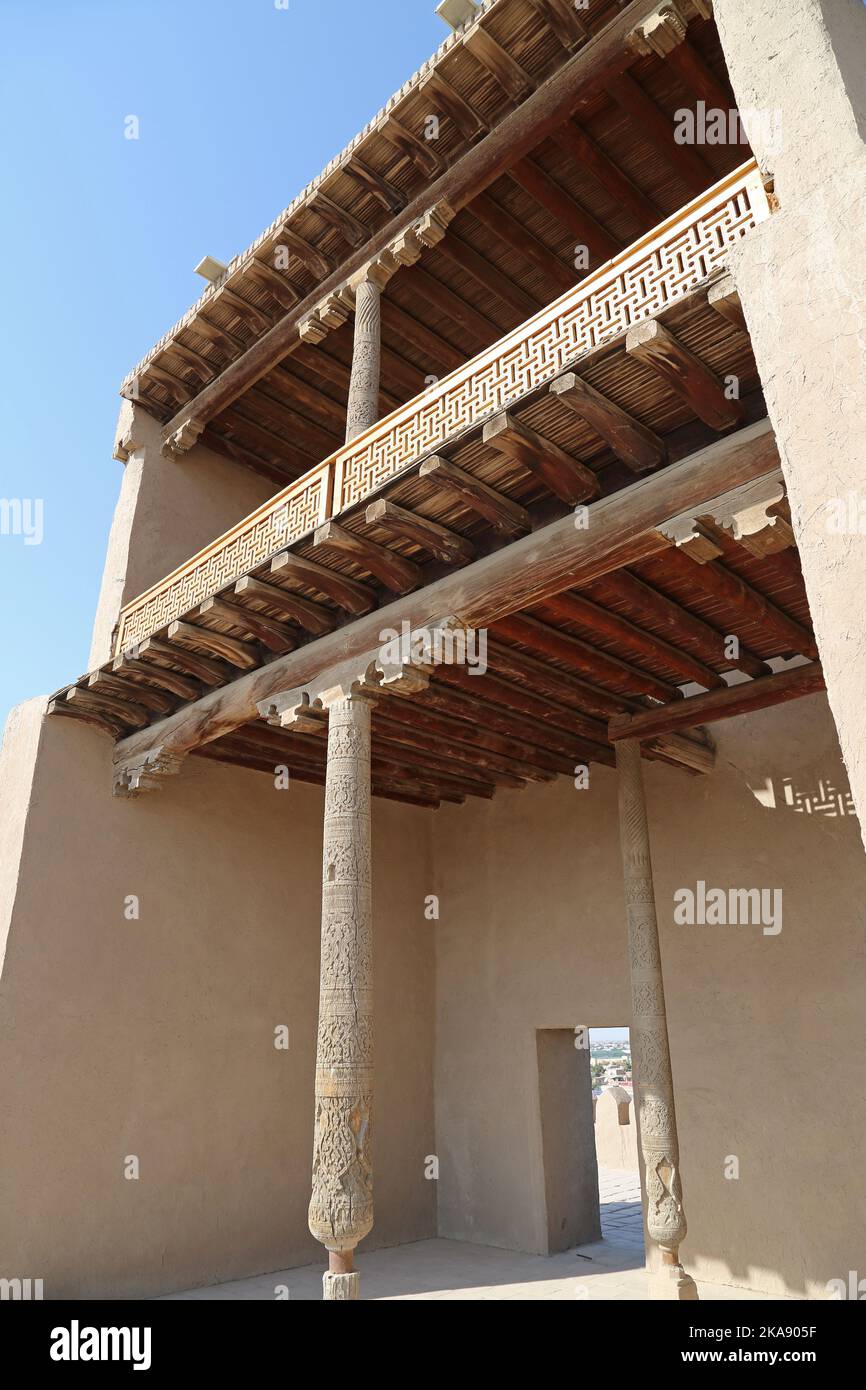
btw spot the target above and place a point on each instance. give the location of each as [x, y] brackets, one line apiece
[612, 1268]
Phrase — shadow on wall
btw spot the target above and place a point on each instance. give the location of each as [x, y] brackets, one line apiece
[821, 798]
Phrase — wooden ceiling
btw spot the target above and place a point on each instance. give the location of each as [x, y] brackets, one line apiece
[606, 176]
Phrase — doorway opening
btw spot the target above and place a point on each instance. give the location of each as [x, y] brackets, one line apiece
[616, 1138]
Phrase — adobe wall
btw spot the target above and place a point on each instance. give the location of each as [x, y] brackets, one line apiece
[167, 510]
[800, 67]
[155, 1037]
[766, 1031]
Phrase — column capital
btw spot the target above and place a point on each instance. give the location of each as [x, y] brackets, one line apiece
[661, 31]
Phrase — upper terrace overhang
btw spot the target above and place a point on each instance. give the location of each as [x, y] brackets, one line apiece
[537, 143]
[634, 397]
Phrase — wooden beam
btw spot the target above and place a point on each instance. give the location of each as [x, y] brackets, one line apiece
[447, 546]
[386, 193]
[403, 324]
[623, 530]
[351, 229]
[516, 235]
[581, 656]
[566, 477]
[737, 699]
[467, 120]
[230, 649]
[638, 447]
[419, 152]
[210, 673]
[729, 589]
[273, 635]
[656, 128]
[607, 53]
[248, 313]
[559, 15]
[312, 617]
[654, 345]
[100, 719]
[571, 607]
[724, 297]
[563, 207]
[315, 261]
[163, 679]
[589, 156]
[104, 683]
[681, 625]
[395, 572]
[506, 516]
[542, 741]
[348, 593]
[127, 712]
[467, 739]
[563, 686]
[592, 732]
[277, 286]
[444, 300]
[514, 80]
[694, 72]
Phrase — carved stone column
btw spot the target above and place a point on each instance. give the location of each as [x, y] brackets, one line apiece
[666, 1219]
[363, 407]
[341, 1207]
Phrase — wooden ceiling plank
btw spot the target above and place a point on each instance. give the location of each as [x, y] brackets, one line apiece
[249, 313]
[314, 260]
[720, 583]
[473, 710]
[509, 230]
[696, 74]
[461, 254]
[277, 286]
[150, 699]
[580, 147]
[395, 572]
[654, 345]
[420, 152]
[592, 732]
[443, 299]
[506, 516]
[511, 755]
[570, 689]
[566, 477]
[565, 209]
[656, 127]
[437, 349]
[637, 446]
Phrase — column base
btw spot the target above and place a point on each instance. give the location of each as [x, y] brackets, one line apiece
[670, 1283]
[336, 1287]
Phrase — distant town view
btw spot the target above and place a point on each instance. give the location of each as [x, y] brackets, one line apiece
[610, 1059]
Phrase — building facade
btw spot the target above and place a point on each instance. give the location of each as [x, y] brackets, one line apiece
[481, 616]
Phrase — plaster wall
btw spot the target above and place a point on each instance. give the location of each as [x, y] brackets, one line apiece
[766, 1031]
[155, 1037]
[167, 510]
[800, 67]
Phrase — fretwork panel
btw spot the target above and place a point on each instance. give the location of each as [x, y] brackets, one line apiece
[637, 285]
[292, 513]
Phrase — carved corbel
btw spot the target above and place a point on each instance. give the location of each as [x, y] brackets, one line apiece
[745, 514]
[184, 437]
[661, 31]
[147, 772]
[378, 272]
[332, 313]
[407, 249]
[688, 536]
[431, 228]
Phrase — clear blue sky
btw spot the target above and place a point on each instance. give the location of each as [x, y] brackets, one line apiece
[240, 104]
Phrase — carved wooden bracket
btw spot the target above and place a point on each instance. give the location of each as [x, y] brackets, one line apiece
[183, 438]
[661, 31]
[147, 772]
[744, 513]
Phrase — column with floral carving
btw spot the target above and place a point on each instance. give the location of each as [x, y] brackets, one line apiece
[666, 1221]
